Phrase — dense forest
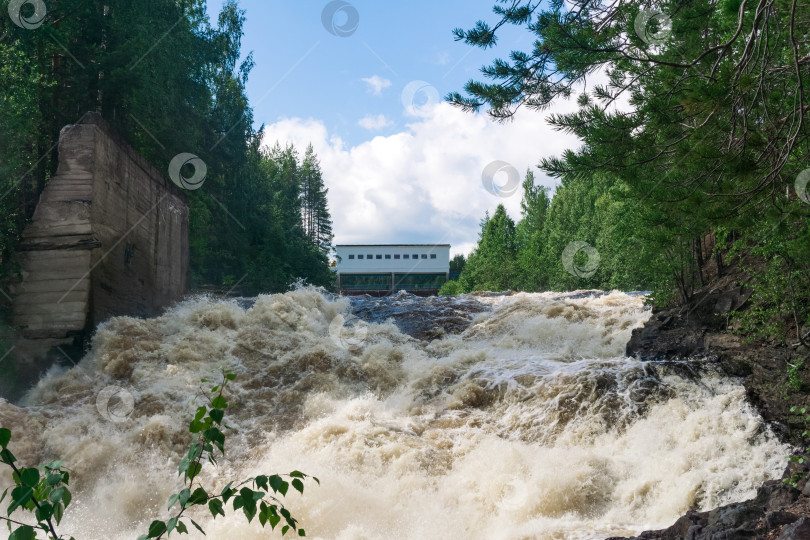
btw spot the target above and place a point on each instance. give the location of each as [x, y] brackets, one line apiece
[169, 81]
[713, 142]
[579, 238]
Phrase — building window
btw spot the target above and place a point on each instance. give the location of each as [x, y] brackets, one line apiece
[387, 256]
[432, 255]
[369, 256]
[351, 256]
[379, 256]
[359, 256]
[396, 256]
[405, 256]
[424, 255]
[415, 256]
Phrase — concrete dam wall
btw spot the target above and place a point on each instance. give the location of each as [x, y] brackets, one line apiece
[108, 237]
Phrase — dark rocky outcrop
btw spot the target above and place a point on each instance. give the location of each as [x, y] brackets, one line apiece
[778, 512]
[703, 330]
[422, 318]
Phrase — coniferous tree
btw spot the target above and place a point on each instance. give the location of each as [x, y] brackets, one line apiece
[493, 264]
[314, 205]
[457, 263]
[168, 81]
[530, 234]
[713, 144]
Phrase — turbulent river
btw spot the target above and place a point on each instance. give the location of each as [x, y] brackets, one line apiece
[487, 417]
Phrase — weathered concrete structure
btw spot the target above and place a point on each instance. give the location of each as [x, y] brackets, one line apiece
[108, 237]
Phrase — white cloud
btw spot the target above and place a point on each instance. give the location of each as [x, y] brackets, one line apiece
[423, 184]
[375, 123]
[376, 84]
[443, 58]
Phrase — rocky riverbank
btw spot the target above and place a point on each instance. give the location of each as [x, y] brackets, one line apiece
[778, 512]
[703, 330]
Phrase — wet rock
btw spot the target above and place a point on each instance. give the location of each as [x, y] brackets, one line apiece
[422, 318]
[800, 530]
[755, 518]
[778, 518]
[700, 330]
[728, 517]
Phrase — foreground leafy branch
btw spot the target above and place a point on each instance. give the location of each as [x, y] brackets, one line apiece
[252, 496]
[802, 457]
[43, 491]
[45, 494]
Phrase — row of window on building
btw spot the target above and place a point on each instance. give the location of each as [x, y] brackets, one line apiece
[396, 256]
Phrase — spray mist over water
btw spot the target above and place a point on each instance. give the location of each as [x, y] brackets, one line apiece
[528, 424]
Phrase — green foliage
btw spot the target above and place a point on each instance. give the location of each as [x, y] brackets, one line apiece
[634, 253]
[803, 456]
[256, 496]
[41, 491]
[20, 119]
[452, 287]
[531, 235]
[777, 258]
[708, 146]
[261, 243]
[457, 263]
[168, 81]
[794, 378]
[493, 264]
[44, 491]
[314, 205]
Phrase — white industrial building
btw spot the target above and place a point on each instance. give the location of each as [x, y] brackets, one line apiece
[386, 268]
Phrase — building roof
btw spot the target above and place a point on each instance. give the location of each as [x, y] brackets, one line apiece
[392, 245]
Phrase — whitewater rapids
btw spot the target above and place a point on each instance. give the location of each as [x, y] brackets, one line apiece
[530, 423]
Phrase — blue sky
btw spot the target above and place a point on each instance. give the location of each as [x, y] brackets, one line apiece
[303, 70]
[396, 172]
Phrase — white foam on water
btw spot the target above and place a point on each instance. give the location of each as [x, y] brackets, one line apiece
[530, 424]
